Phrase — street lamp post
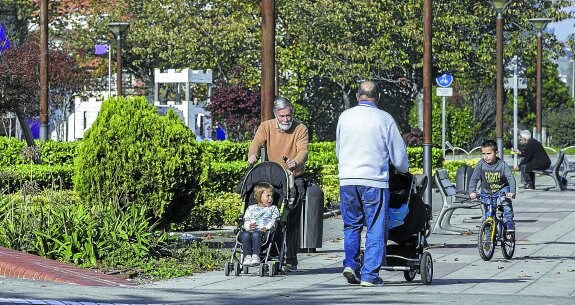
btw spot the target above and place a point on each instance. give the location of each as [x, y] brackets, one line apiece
[44, 77]
[118, 28]
[427, 107]
[268, 59]
[499, 6]
[539, 25]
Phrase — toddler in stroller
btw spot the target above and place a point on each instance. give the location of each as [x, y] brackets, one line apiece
[258, 219]
[270, 256]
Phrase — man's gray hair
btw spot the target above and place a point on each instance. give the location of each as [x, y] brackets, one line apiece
[525, 134]
[281, 103]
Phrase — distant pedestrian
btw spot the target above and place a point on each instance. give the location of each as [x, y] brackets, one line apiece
[367, 140]
[220, 132]
[534, 157]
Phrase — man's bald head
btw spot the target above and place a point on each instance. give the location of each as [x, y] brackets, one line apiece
[368, 90]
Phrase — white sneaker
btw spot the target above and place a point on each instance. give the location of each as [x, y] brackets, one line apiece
[255, 260]
[247, 261]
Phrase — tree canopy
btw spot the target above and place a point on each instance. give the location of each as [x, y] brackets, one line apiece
[319, 43]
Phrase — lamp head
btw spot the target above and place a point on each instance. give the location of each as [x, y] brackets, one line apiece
[500, 5]
[118, 28]
[539, 24]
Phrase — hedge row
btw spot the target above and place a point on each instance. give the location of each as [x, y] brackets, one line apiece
[55, 177]
[224, 173]
[51, 152]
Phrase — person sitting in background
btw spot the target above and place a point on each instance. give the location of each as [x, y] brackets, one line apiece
[534, 157]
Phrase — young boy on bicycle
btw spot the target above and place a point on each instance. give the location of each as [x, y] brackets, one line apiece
[495, 176]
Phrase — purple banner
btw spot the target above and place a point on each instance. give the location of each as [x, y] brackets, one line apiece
[4, 42]
[101, 49]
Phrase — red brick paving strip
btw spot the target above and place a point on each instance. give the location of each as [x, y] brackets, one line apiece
[27, 266]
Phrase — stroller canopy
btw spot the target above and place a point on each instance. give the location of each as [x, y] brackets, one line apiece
[269, 172]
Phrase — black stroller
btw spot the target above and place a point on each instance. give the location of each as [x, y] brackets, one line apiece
[406, 251]
[272, 255]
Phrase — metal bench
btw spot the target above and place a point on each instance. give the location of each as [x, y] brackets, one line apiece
[567, 175]
[451, 202]
[554, 170]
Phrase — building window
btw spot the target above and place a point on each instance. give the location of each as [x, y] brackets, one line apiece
[85, 120]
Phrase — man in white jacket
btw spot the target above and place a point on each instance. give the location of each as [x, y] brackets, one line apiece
[367, 140]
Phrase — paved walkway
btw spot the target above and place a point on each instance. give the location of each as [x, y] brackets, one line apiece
[541, 272]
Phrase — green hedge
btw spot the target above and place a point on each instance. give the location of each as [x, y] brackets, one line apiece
[224, 177]
[220, 175]
[51, 152]
[225, 151]
[53, 177]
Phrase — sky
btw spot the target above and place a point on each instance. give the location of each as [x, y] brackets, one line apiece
[564, 28]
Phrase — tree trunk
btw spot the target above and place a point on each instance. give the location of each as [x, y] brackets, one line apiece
[27, 133]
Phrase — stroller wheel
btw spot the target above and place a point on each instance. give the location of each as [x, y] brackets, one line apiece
[409, 275]
[426, 268]
[262, 269]
[227, 268]
[271, 269]
[237, 268]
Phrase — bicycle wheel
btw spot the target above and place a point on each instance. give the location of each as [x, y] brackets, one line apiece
[508, 244]
[485, 240]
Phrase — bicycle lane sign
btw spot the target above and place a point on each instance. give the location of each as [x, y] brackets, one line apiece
[444, 80]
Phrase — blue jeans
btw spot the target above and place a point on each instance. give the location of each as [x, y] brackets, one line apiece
[369, 206]
[508, 213]
[251, 242]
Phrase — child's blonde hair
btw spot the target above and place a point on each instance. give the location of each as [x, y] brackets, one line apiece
[260, 188]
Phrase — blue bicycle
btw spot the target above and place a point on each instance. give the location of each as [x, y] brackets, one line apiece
[493, 229]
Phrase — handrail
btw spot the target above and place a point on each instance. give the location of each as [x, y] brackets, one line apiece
[568, 147]
[551, 149]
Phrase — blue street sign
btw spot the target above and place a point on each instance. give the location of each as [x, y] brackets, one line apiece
[444, 80]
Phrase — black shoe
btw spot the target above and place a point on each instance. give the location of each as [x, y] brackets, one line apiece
[351, 275]
[528, 186]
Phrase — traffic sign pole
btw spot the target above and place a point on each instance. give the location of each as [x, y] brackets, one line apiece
[444, 81]
[443, 127]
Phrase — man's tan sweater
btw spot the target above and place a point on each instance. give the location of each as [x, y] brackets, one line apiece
[292, 144]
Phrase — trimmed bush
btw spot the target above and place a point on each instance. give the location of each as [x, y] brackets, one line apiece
[219, 209]
[132, 155]
[560, 127]
[224, 177]
[226, 151]
[51, 152]
[54, 177]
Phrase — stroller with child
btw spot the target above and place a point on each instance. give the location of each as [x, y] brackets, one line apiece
[409, 227]
[273, 248]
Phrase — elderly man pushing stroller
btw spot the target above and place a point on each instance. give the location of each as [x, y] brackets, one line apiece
[286, 142]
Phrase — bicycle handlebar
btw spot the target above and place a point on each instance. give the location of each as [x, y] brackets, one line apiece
[496, 195]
